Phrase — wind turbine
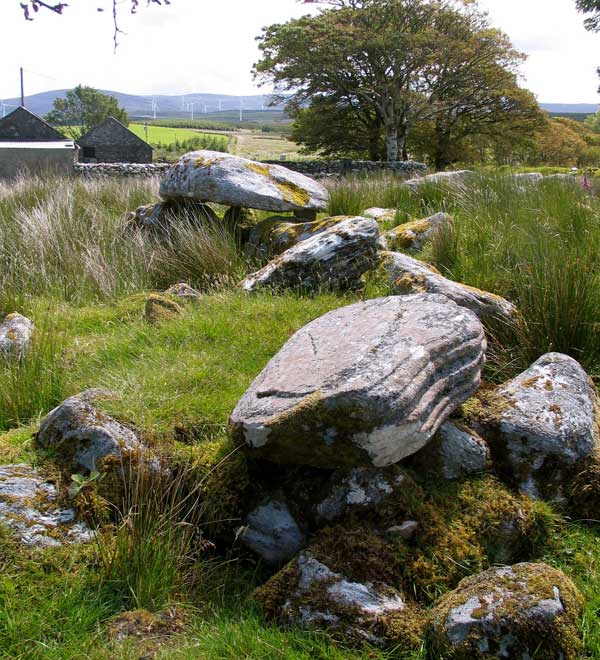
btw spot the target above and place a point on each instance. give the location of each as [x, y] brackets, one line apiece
[4, 106]
[190, 107]
[154, 106]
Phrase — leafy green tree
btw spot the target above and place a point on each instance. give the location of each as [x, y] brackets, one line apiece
[590, 7]
[82, 108]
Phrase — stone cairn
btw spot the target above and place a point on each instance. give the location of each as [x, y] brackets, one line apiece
[344, 420]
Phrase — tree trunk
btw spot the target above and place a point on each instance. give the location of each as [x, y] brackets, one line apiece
[391, 142]
[442, 150]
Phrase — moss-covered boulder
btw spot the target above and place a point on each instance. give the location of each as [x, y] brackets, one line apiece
[307, 593]
[161, 308]
[276, 235]
[406, 276]
[237, 216]
[521, 611]
[78, 434]
[414, 235]
[542, 426]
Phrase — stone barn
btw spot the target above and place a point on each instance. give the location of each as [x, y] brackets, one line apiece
[28, 144]
[112, 142]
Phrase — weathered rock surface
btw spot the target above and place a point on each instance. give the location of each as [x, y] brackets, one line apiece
[358, 489]
[367, 384]
[528, 177]
[15, 335]
[454, 453]
[28, 508]
[333, 259]
[414, 235]
[276, 235]
[379, 214]
[183, 290]
[523, 611]
[225, 179]
[542, 425]
[81, 435]
[272, 532]
[408, 276]
[451, 179]
[308, 594]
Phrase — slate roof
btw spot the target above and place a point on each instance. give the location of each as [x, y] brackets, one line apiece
[22, 125]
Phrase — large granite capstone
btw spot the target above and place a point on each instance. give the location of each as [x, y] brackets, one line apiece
[367, 384]
[212, 176]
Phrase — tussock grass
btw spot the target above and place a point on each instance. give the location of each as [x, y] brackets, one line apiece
[65, 238]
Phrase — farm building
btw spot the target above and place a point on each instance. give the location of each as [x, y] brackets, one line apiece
[29, 144]
[112, 142]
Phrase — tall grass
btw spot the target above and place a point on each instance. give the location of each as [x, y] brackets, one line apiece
[64, 238]
[34, 383]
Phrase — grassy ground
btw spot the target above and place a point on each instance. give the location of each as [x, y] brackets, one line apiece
[66, 261]
[264, 146]
[164, 135]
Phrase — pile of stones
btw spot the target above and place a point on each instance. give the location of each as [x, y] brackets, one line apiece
[354, 416]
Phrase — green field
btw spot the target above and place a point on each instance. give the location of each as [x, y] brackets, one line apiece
[166, 136]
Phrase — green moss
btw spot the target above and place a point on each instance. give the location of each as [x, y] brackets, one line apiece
[160, 308]
[512, 613]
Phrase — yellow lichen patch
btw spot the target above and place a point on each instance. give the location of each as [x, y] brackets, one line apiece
[404, 236]
[410, 284]
[205, 162]
[292, 193]
[263, 170]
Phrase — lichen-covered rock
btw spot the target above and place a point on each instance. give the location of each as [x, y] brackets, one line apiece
[336, 258]
[81, 435]
[367, 384]
[29, 508]
[521, 611]
[15, 335]
[379, 214]
[226, 179]
[528, 177]
[454, 453]
[276, 235]
[408, 276]
[183, 290]
[356, 489]
[309, 594]
[541, 426]
[272, 532]
[236, 216]
[160, 308]
[413, 235]
[450, 179]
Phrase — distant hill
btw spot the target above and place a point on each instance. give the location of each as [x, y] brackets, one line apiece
[571, 108]
[166, 106]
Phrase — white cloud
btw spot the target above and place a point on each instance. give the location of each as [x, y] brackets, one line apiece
[209, 46]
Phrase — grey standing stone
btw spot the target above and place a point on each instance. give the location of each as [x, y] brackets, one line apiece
[336, 258]
[407, 276]
[450, 179]
[234, 181]
[364, 385]
[81, 435]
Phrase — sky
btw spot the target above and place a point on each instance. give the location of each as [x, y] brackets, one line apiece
[210, 46]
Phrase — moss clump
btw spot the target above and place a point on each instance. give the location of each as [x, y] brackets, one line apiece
[509, 619]
[160, 308]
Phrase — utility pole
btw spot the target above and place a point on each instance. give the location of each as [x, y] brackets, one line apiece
[22, 89]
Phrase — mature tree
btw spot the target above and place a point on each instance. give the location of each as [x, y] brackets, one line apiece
[558, 144]
[82, 108]
[372, 56]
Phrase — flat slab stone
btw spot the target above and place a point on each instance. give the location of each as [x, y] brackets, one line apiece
[451, 179]
[335, 258]
[367, 384]
[29, 509]
[212, 176]
[407, 276]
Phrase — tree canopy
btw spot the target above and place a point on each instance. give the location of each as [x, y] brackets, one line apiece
[377, 67]
[82, 108]
[592, 22]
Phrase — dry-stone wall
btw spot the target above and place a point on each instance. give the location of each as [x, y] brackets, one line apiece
[93, 170]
